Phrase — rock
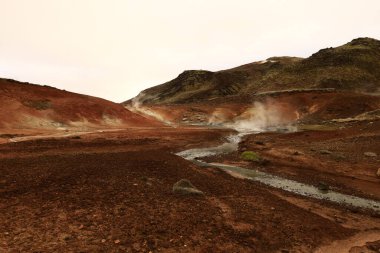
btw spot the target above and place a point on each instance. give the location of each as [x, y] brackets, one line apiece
[378, 172]
[136, 246]
[325, 152]
[185, 187]
[117, 241]
[339, 156]
[374, 246]
[259, 143]
[64, 237]
[323, 186]
[370, 154]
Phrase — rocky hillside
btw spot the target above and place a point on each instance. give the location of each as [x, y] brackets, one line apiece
[351, 67]
[24, 105]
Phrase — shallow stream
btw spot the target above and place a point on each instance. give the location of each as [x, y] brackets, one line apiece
[195, 155]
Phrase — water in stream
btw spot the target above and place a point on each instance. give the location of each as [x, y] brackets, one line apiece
[231, 145]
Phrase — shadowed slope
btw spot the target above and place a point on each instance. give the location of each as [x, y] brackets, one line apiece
[353, 66]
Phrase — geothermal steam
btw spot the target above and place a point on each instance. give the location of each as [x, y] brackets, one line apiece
[137, 107]
[260, 117]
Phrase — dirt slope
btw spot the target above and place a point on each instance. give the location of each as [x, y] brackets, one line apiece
[25, 105]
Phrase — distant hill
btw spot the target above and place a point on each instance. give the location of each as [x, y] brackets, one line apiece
[354, 66]
[24, 105]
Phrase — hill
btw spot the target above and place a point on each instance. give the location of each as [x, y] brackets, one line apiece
[25, 105]
[350, 67]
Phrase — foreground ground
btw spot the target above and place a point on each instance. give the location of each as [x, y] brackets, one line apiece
[112, 192]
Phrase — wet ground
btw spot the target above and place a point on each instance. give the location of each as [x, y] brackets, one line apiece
[112, 192]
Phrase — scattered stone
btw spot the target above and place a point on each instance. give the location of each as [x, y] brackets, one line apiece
[296, 153]
[103, 240]
[259, 143]
[65, 237]
[136, 246]
[323, 186]
[378, 172]
[185, 187]
[325, 152]
[339, 156]
[370, 154]
[374, 246]
[264, 162]
[117, 241]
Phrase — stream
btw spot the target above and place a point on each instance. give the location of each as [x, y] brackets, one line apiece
[195, 155]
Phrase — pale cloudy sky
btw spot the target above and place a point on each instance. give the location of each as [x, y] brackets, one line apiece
[115, 48]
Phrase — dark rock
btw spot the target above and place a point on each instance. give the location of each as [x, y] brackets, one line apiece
[185, 187]
[322, 186]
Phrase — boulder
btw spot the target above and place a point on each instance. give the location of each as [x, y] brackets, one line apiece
[185, 187]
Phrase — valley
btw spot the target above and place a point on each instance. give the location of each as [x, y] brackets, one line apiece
[281, 155]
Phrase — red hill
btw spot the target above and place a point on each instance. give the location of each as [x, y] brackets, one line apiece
[25, 105]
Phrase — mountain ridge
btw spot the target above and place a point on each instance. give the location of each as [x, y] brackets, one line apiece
[353, 66]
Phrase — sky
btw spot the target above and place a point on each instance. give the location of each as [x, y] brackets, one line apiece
[115, 48]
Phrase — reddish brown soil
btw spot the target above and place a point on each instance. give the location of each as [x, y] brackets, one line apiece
[305, 106]
[112, 192]
[25, 105]
[335, 157]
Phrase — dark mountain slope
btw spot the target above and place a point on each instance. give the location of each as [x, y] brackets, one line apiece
[354, 66]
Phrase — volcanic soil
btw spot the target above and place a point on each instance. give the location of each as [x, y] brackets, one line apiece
[111, 191]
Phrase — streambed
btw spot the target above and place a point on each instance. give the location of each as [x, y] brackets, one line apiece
[195, 155]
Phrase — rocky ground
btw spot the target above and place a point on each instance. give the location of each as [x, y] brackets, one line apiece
[111, 191]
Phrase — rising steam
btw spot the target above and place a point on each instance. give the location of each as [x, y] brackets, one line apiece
[137, 106]
[260, 117]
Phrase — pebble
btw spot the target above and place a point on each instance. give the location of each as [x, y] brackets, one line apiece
[370, 154]
[378, 172]
[325, 152]
[136, 246]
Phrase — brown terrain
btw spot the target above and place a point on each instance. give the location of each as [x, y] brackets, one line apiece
[25, 106]
[82, 174]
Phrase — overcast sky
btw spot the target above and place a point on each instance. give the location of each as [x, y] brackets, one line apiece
[115, 48]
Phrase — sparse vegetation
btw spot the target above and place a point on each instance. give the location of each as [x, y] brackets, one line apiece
[250, 156]
[42, 104]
